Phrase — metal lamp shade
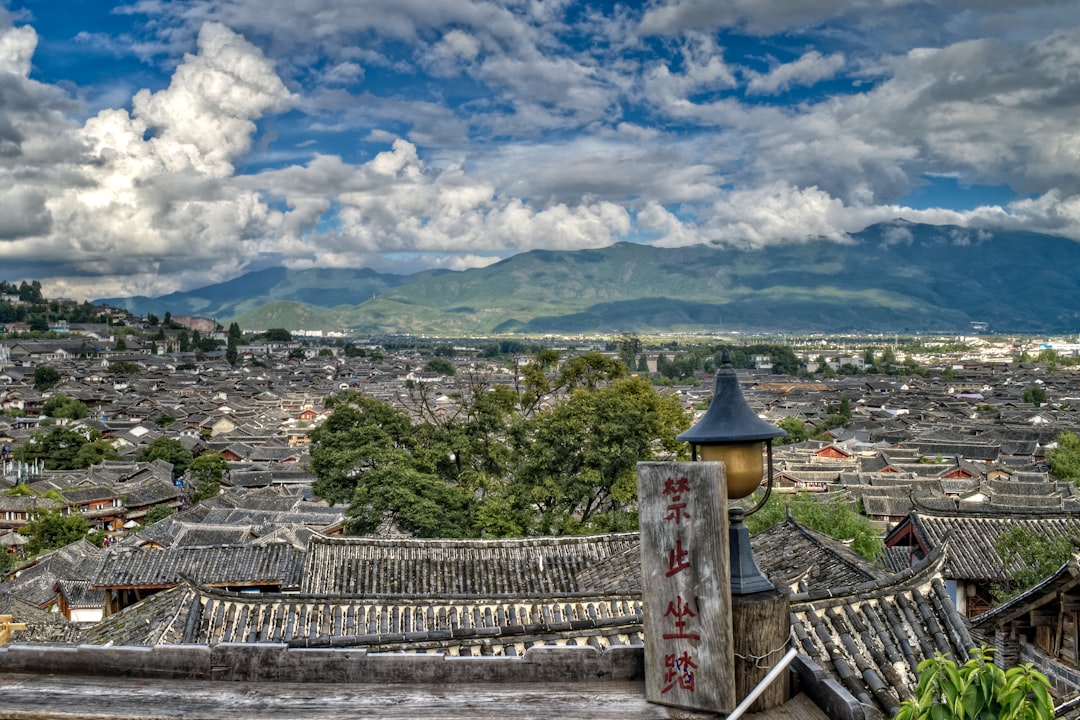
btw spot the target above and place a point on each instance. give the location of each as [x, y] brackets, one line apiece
[732, 432]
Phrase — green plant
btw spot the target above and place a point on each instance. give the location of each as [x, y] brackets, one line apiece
[977, 690]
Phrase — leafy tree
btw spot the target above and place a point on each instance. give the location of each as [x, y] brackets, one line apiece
[1032, 557]
[278, 335]
[158, 512]
[579, 458]
[442, 366]
[121, 344]
[796, 430]
[232, 353]
[94, 453]
[629, 346]
[836, 517]
[53, 529]
[1034, 395]
[206, 471]
[61, 406]
[977, 690]
[169, 450]
[1064, 460]
[125, 367]
[45, 377]
[58, 447]
[209, 466]
[360, 434]
[164, 420]
[234, 331]
[153, 320]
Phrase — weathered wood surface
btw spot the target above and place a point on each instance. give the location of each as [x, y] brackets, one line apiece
[52, 697]
[761, 626]
[686, 584]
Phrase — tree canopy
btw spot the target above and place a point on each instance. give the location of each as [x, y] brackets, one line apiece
[169, 450]
[556, 453]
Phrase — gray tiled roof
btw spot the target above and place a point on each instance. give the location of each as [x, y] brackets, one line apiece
[790, 553]
[269, 565]
[873, 637]
[530, 566]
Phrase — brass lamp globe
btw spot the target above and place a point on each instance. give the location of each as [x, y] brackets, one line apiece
[731, 432]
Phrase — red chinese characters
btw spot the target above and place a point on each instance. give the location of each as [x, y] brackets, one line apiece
[678, 671]
[679, 667]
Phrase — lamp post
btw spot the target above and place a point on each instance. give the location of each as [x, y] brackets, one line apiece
[731, 432]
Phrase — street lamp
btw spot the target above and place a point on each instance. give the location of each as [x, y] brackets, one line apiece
[731, 432]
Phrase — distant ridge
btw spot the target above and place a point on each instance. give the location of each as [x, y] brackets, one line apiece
[892, 277]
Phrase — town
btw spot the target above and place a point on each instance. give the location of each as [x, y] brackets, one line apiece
[182, 451]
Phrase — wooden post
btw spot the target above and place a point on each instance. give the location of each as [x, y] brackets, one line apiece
[6, 626]
[686, 585]
[761, 625]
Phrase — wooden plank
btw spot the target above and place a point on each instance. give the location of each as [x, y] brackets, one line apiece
[686, 585]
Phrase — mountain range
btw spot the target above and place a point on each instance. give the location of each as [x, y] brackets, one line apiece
[891, 277]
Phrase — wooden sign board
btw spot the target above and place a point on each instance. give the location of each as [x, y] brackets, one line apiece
[686, 585]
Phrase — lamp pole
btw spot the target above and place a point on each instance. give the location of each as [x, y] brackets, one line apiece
[731, 432]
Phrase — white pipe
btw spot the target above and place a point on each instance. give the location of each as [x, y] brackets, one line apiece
[760, 687]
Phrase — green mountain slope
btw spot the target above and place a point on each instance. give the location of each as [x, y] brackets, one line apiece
[894, 277]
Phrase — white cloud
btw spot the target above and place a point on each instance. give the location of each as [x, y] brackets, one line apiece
[809, 69]
[16, 50]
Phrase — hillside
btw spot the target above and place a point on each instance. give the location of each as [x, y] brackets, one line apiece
[897, 277]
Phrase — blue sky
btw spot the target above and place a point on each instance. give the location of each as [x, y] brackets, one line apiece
[152, 146]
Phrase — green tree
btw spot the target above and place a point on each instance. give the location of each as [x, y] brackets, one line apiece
[121, 344]
[94, 453]
[58, 447]
[836, 517]
[1064, 460]
[360, 434]
[206, 472]
[977, 690]
[52, 529]
[796, 430]
[439, 365]
[169, 450]
[1035, 395]
[45, 377]
[1032, 557]
[235, 332]
[232, 353]
[156, 513]
[62, 406]
[579, 458]
[278, 335]
[125, 367]
[629, 346]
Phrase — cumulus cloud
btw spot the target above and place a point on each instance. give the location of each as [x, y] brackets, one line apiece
[811, 68]
[520, 126]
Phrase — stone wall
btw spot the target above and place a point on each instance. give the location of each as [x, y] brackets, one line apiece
[1064, 680]
[258, 662]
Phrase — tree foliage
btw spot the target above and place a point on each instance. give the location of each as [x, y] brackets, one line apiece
[62, 448]
[1035, 395]
[1064, 460]
[556, 453]
[52, 529]
[836, 517]
[1030, 556]
[169, 450]
[62, 406]
[977, 690]
[158, 512]
[45, 377]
